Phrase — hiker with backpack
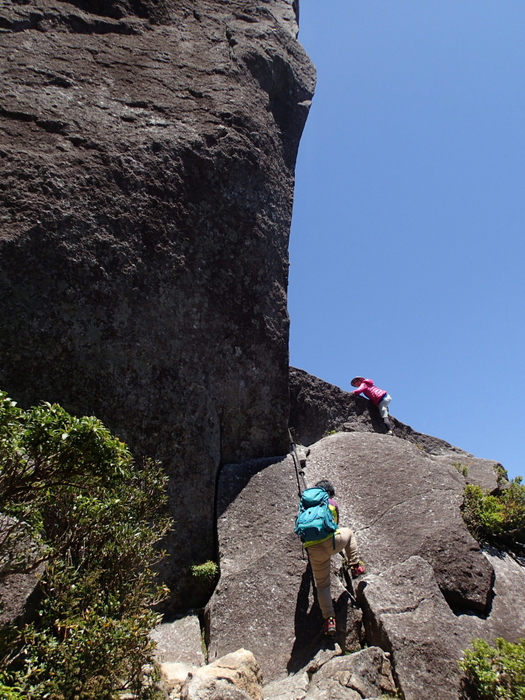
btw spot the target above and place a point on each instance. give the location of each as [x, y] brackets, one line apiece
[317, 525]
[377, 396]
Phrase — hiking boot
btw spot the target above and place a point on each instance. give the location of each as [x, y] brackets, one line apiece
[358, 569]
[389, 432]
[329, 627]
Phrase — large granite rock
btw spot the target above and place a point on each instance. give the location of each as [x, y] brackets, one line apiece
[407, 615]
[179, 641]
[147, 156]
[402, 501]
[365, 674]
[235, 676]
[265, 599]
[428, 592]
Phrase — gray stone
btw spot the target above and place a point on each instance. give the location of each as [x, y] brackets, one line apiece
[147, 154]
[22, 562]
[481, 472]
[367, 672]
[265, 598]
[401, 502]
[233, 677]
[292, 687]
[406, 614]
[179, 640]
[506, 618]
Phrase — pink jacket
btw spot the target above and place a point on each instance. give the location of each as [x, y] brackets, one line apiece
[374, 393]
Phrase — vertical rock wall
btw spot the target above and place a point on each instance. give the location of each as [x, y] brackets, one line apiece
[147, 151]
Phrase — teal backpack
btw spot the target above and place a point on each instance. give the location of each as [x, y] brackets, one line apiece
[314, 520]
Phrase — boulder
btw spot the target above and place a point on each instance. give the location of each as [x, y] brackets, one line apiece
[293, 687]
[19, 596]
[147, 154]
[174, 675]
[401, 502]
[179, 641]
[364, 674]
[505, 619]
[406, 614]
[21, 566]
[367, 673]
[265, 598]
[235, 676]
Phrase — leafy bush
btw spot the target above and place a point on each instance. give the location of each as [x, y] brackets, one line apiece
[462, 468]
[497, 519]
[206, 572]
[496, 672]
[72, 496]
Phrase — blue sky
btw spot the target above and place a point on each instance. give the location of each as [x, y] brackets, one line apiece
[407, 247]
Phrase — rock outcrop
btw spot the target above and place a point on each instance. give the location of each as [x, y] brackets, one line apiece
[147, 151]
[429, 588]
[265, 599]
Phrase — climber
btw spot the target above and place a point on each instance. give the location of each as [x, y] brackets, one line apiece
[320, 553]
[378, 396]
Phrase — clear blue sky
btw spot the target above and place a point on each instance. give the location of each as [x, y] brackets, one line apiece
[408, 237]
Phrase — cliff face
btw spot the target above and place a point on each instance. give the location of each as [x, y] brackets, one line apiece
[147, 151]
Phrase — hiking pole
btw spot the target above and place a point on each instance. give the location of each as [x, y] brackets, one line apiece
[347, 578]
[301, 483]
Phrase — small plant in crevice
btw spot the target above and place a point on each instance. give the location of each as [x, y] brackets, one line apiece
[502, 476]
[205, 573]
[496, 519]
[204, 577]
[462, 468]
[495, 672]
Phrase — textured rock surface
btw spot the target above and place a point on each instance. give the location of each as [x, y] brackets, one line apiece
[18, 597]
[402, 501]
[366, 673]
[428, 591]
[407, 615]
[234, 676]
[506, 618]
[146, 159]
[179, 641]
[264, 600]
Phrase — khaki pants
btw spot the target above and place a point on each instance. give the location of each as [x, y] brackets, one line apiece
[320, 556]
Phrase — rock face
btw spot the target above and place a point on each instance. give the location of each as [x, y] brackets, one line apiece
[147, 151]
[428, 591]
[403, 502]
[265, 599]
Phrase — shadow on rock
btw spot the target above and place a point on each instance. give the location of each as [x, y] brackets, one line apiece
[309, 638]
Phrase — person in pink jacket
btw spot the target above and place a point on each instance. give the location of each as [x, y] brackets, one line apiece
[377, 396]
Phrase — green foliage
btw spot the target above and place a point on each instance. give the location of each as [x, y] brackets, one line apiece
[502, 476]
[72, 496]
[205, 572]
[462, 468]
[496, 672]
[204, 577]
[10, 693]
[497, 519]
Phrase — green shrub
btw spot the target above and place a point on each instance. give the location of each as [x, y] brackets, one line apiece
[462, 468]
[497, 519]
[496, 672]
[94, 516]
[205, 572]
